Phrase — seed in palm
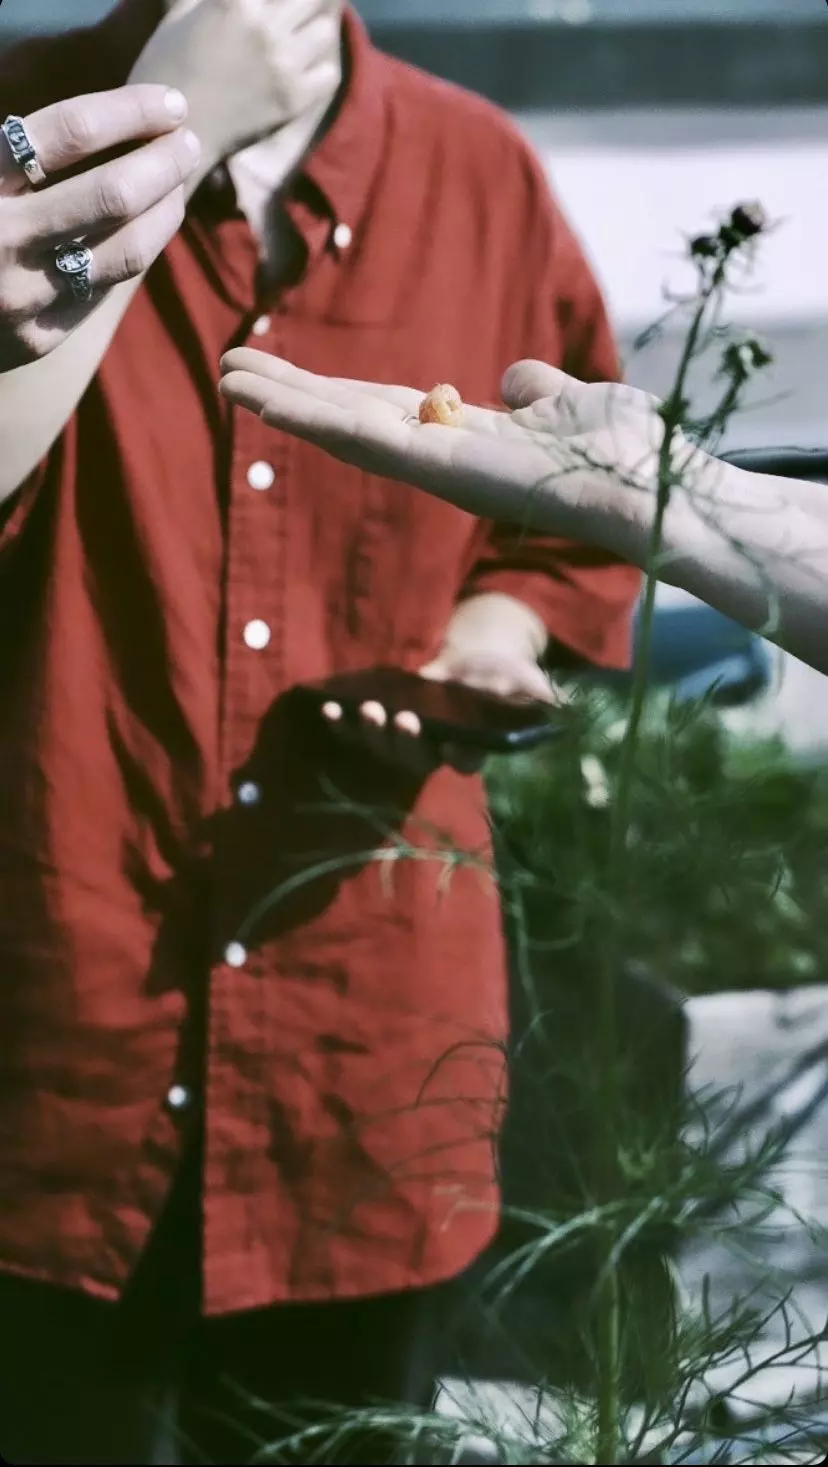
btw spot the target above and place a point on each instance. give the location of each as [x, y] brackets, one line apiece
[443, 404]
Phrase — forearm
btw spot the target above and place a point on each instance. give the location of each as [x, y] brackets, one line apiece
[761, 558]
[37, 401]
[751, 546]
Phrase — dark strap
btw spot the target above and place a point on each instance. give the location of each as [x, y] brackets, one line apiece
[787, 463]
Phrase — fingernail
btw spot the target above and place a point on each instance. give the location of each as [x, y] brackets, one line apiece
[408, 723]
[192, 143]
[176, 103]
[373, 712]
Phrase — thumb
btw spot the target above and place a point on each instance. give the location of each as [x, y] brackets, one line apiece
[435, 671]
[525, 382]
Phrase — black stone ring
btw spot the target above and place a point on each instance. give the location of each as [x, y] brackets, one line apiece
[74, 261]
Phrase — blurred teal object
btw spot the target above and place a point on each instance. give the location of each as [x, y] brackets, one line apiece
[585, 12]
[699, 653]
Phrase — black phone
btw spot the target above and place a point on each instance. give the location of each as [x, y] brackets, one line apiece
[449, 713]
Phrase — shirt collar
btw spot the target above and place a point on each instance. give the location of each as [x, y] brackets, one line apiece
[344, 164]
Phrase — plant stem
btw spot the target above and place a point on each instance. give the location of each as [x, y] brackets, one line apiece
[672, 415]
[608, 1299]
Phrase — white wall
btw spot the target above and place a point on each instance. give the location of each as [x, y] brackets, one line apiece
[638, 183]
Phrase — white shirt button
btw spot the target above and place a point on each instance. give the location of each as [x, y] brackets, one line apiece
[257, 635]
[261, 326]
[235, 955]
[178, 1097]
[249, 793]
[261, 475]
[342, 236]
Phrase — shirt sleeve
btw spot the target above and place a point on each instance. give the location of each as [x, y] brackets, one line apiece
[584, 596]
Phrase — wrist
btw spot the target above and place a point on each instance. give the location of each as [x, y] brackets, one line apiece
[693, 524]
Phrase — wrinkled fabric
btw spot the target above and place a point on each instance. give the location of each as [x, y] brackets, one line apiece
[208, 911]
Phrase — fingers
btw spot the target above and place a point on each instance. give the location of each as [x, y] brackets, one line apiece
[321, 76]
[525, 382]
[39, 294]
[535, 685]
[367, 432]
[509, 679]
[532, 686]
[436, 671]
[106, 197]
[407, 746]
[316, 40]
[341, 391]
[130, 251]
[300, 13]
[548, 400]
[395, 741]
[309, 44]
[68, 133]
[248, 390]
[321, 18]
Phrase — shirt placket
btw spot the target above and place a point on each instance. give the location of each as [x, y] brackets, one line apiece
[252, 678]
[243, 994]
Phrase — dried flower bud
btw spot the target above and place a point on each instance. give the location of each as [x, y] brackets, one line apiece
[730, 237]
[759, 354]
[748, 220]
[737, 362]
[740, 358]
[442, 405]
[704, 247]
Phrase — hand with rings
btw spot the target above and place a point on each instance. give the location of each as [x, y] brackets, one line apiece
[22, 151]
[66, 241]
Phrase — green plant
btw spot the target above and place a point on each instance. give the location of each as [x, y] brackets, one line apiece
[728, 887]
[647, 836]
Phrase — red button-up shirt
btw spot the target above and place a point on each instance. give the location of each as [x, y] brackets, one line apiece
[169, 574]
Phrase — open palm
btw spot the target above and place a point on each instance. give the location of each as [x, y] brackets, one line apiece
[575, 459]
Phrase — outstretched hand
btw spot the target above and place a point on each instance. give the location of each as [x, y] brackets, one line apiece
[581, 461]
[577, 459]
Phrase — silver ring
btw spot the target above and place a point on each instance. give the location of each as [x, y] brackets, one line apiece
[22, 150]
[74, 261]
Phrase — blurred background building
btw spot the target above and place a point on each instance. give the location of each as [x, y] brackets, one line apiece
[653, 117]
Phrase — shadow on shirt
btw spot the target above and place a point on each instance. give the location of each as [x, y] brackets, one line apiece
[321, 808]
